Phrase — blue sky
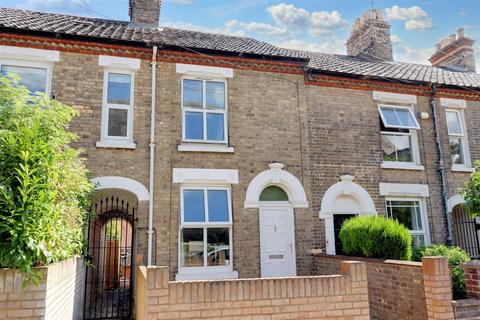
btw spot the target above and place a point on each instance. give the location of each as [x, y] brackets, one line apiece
[319, 25]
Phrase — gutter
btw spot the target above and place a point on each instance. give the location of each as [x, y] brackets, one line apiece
[152, 155]
[441, 165]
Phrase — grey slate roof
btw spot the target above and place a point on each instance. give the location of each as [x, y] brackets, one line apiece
[24, 20]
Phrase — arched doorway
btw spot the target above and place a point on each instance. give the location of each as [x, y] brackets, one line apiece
[342, 201]
[110, 252]
[276, 193]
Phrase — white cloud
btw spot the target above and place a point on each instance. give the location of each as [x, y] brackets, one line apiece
[415, 17]
[289, 15]
[323, 22]
[259, 27]
[405, 53]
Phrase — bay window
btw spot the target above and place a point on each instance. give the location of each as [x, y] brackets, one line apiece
[205, 229]
[204, 109]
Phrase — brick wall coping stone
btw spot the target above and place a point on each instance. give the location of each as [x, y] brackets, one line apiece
[413, 264]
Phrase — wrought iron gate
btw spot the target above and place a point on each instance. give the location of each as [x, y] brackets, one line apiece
[466, 232]
[109, 276]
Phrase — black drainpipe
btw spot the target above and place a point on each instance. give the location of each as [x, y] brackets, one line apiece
[441, 165]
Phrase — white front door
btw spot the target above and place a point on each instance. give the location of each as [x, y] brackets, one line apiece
[277, 241]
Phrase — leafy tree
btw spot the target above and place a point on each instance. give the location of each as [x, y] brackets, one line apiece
[471, 192]
[44, 189]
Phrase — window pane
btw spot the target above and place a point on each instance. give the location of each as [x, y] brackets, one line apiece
[215, 95]
[117, 122]
[215, 127]
[390, 116]
[119, 86]
[407, 213]
[273, 193]
[406, 118]
[397, 148]
[453, 123]
[191, 250]
[194, 125]
[193, 206]
[218, 247]
[193, 93]
[418, 240]
[218, 206]
[456, 150]
[34, 79]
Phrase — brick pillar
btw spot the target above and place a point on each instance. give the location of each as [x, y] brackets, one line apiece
[472, 279]
[438, 287]
[357, 271]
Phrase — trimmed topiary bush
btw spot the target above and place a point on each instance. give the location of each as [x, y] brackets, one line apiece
[456, 257]
[376, 237]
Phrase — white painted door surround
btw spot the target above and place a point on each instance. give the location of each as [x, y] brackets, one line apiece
[344, 197]
[277, 240]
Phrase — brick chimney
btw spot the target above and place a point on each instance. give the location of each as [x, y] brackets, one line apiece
[144, 12]
[370, 37]
[455, 52]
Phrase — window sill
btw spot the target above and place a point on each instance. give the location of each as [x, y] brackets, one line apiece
[115, 144]
[457, 168]
[205, 274]
[196, 147]
[402, 166]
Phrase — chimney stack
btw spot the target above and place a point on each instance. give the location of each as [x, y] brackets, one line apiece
[370, 37]
[145, 13]
[455, 52]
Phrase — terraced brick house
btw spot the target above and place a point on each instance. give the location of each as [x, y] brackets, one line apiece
[225, 157]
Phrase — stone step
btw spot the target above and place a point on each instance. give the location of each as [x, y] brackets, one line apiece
[467, 309]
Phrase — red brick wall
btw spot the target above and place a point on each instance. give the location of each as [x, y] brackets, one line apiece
[472, 279]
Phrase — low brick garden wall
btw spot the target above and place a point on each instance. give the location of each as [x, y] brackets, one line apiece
[59, 295]
[341, 296]
[401, 289]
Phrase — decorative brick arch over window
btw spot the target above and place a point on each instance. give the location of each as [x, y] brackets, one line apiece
[275, 176]
[123, 183]
[343, 197]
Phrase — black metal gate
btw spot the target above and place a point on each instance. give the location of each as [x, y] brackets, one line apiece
[466, 232]
[109, 255]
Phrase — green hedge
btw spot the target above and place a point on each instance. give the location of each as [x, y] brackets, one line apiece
[456, 257]
[44, 188]
[376, 237]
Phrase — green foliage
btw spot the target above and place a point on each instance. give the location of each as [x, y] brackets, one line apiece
[456, 257]
[44, 189]
[471, 192]
[376, 237]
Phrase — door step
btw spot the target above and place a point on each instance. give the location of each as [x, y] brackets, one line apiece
[468, 309]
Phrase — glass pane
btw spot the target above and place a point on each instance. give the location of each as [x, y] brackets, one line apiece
[215, 95]
[215, 127]
[390, 117]
[273, 193]
[194, 125]
[407, 213]
[192, 93]
[397, 148]
[418, 240]
[456, 150]
[193, 206]
[218, 206]
[406, 118]
[119, 86]
[117, 122]
[34, 79]
[453, 123]
[218, 247]
[191, 247]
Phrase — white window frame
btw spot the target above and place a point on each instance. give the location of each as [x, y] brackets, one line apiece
[423, 214]
[206, 272]
[467, 165]
[415, 164]
[33, 64]
[409, 109]
[204, 111]
[114, 141]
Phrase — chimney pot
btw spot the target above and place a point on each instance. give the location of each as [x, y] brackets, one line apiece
[461, 33]
[455, 52]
